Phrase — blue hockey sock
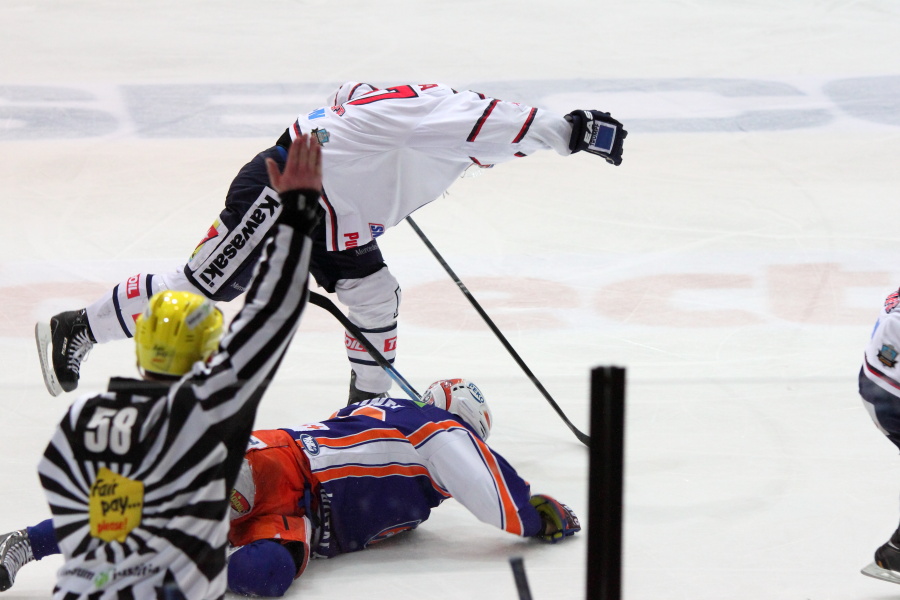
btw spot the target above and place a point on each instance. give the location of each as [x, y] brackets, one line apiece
[43, 539]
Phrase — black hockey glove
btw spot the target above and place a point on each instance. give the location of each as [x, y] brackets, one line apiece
[558, 519]
[598, 133]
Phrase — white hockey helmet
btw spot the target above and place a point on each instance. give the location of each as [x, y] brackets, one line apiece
[463, 398]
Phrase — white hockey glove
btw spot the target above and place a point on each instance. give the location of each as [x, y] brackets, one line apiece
[558, 519]
[598, 133]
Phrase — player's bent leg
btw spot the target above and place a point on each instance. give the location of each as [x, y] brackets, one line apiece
[220, 268]
[64, 342]
[373, 304]
[222, 264]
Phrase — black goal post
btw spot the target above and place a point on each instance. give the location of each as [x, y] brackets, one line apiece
[606, 484]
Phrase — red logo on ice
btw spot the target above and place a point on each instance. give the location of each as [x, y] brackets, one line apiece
[133, 287]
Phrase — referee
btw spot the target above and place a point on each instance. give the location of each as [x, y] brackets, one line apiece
[137, 477]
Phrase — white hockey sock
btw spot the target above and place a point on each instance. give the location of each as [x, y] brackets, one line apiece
[370, 376]
[373, 303]
[112, 316]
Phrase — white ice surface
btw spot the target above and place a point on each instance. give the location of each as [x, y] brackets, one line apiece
[733, 264]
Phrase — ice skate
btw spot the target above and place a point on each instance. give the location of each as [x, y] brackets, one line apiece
[63, 345]
[15, 551]
[887, 561]
[357, 395]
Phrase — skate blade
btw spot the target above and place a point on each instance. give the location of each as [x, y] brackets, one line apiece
[42, 337]
[877, 572]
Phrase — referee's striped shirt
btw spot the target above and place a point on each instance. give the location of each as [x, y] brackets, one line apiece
[137, 477]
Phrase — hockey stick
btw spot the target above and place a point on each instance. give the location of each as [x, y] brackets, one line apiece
[583, 438]
[518, 569]
[323, 302]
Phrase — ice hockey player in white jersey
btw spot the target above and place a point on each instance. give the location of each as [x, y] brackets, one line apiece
[373, 470]
[387, 152]
[879, 386]
[137, 477]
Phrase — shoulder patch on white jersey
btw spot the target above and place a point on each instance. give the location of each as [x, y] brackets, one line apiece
[888, 355]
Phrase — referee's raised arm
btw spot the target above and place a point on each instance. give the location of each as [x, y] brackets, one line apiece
[302, 169]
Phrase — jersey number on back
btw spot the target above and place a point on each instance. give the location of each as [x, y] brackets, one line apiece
[392, 93]
[110, 428]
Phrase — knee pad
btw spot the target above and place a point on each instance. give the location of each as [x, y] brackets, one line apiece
[222, 265]
[372, 301]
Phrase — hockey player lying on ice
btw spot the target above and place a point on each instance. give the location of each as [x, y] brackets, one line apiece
[374, 469]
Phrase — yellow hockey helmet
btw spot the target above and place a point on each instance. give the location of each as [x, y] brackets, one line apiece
[176, 330]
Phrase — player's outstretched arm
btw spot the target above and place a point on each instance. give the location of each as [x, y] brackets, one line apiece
[598, 133]
[558, 519]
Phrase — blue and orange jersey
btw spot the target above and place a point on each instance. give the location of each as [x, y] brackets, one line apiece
[383, 464]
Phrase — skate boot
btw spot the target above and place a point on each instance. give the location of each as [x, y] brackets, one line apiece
[62, 346]
[357, 395]
[887, 561]
[15, 551]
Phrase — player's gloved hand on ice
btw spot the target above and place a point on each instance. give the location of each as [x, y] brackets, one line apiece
[558, 519]
[598, 133]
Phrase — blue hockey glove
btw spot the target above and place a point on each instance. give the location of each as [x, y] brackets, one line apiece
[598, 133]
[558, 519]
[261, 568]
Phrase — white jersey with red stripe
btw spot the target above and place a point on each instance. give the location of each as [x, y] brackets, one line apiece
[391, 151]
[879, 377]
[882, 362]
[383, 464]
